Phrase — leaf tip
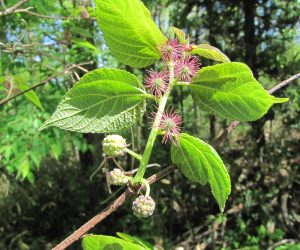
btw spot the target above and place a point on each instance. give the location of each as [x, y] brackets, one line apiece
[280, 100]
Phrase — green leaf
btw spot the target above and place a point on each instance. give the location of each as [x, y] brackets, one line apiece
[129, 31]
[86, 44]
[181, 35]
[56, 151]
[136, 240]
[31, 95]
[230, 91]
[103, 242]
[23, 168]
[36, 157]
[200, 162]
[2, 79]
[210, 52]
[103, 101]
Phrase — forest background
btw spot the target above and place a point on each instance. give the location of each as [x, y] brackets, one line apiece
[48, 183]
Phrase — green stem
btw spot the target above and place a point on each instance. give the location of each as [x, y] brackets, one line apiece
[133, 154]
[147, 187]
[155, 128]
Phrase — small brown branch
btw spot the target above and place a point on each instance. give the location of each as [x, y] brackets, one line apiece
[94, 221]
[44, 82]
[13, 8]
[284, 83]
[108, 210]
[277, 87]
[48, 17]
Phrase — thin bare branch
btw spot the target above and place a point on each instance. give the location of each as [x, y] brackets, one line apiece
[13, 9]
[49, 17]
[284, 83]
[44, 82]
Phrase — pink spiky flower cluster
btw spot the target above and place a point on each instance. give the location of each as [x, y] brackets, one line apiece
[186, 65]
[170, 125]
[171, 50]
[186, 68]
[157, 82]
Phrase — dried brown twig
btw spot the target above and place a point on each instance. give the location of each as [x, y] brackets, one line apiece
[14, 8]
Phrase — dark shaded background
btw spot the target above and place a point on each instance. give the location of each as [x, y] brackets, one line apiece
[46, 190]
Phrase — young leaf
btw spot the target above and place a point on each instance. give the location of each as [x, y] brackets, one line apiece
[23, 169]
[103, 242]
[136, 240]
[181, 35]
[86, 44]
[230, 91]
[20, 82]
[129, 31]
[103, 101]
[31, 95]
[210, 52]
[199, 162]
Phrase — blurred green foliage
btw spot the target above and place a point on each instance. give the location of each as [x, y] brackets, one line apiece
[48, 183]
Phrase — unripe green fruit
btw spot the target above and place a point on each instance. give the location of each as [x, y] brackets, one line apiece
[114, 145]
[117, 177]
[143, 206]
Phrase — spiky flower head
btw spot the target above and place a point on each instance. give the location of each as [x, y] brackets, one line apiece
[114, 145]
[171, 50]
[143, 206]
[170, 125]
[157, 82]
[117, 177]
[187, 68]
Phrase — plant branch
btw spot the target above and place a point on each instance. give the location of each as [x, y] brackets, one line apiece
[44, 82]
[108, 210]
[284, 83]
[129, 191]
[133, 154]
[26, 11]
[13, 9]
[155, 128]
[277, 87]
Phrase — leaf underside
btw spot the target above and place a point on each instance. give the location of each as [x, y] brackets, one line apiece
[129, 31]
[230, 91]
[103, 101]
[199, 162]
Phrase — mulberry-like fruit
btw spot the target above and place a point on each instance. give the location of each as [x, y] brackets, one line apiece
[114, 145]
[117, 177]
[143, 206]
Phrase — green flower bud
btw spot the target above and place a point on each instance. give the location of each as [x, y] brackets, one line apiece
[143, 206]
[117, 177]
[114, 145]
